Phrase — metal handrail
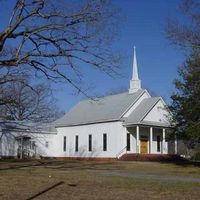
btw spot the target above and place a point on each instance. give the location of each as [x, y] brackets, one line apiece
[121, 151]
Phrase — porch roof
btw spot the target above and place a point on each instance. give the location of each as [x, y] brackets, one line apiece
[23, 137]
[148, 123]
[138, 115]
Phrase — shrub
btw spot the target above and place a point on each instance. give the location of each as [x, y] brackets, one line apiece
[196, 156]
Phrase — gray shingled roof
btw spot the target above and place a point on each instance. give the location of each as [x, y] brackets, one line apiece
[140, 112]
[25, 126]
[109, 108]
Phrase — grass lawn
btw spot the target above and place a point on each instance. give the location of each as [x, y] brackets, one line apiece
[98, 180]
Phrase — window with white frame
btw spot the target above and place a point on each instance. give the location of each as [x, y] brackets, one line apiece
[158, 143]
[90, 143]
[64, 143]
[128, 142]
[76, 143]
[104, 142]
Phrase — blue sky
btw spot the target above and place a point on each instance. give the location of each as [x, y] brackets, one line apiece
[158, 60]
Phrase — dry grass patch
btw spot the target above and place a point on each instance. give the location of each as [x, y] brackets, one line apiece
[90, 180]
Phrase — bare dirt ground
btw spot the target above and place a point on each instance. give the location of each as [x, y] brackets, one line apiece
[49, 179]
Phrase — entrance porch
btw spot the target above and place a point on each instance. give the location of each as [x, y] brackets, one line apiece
[148, 140]
[25, 146]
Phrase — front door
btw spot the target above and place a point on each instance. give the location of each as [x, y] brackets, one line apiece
[144, 146]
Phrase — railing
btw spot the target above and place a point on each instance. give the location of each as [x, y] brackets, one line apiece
[121, 151]
[26, 153]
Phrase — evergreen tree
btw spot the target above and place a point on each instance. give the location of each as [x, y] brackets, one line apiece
[184, 32]
[186, 101]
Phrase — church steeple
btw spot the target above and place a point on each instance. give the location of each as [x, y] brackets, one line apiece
[135, 83]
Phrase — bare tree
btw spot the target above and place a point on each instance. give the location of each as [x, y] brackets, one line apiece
[184, 31]
[24, 103]
[52, 39]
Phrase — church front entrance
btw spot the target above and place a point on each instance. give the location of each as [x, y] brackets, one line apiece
[144, 145]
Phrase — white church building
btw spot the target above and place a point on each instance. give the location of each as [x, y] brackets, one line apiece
[109, 127]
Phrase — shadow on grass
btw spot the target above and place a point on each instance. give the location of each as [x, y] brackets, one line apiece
[86, 165]
[160, 158]
[59, 165]
[186, 163]
[82, 165]
[45, 190]
[31, 163]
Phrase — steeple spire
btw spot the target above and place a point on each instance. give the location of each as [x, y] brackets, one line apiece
[135, 83]
[135, 68]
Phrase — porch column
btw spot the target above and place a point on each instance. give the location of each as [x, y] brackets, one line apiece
[175, 145]
[150, 140]
[163, 141]
[21, 153]
[137, 140]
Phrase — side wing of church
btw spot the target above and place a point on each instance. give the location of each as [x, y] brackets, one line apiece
[109, 127]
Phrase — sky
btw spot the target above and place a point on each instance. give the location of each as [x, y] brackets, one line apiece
[143, 26]
[158, 60]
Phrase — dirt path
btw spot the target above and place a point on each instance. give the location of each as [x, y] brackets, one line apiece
[151, 176]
